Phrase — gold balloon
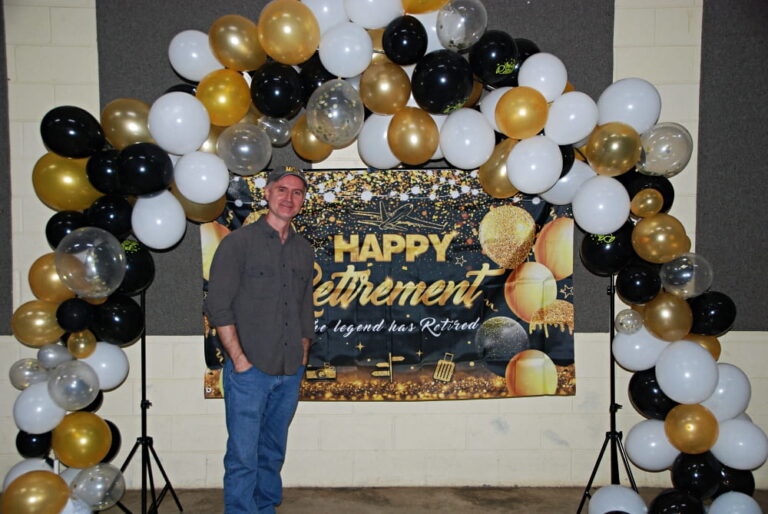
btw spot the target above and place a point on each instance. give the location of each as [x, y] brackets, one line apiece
[668, 317]
[506, 235]
[660, 238]
[225, 95]
[199, 212]
[377, 36]
[613, 149]
[521, 112]
[124, 121]
[36, 492]
[209, 145]
[529, 288]
[474, 96]
[81, 439]
[62, 184]
[44, 280]
[554, 247]
[234, 41]
[709, 343]
[96, 301]
[34, 323]
[531, 373]
[288, 31]
[385, 88]
[413, 135]
[81, 344]
[306, 144]
[646, 202]
[422, 6]
[252, 116]
[211, 235]
[691, 429]
[568, 88]
[493, 173]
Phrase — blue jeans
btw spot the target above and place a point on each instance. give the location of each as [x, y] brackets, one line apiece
[259, 408]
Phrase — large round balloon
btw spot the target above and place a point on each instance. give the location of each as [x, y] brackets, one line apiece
[691, 428]
[103, 170]
[25, 466]
[288, 31]
[139, 268]
[698, 475]
[191, 56]
[647, 397]
[673, 500]
[327, 13]
[564, 190]
[81, 440]
[345, 50]
[71, 132]
[234, 41]
[601, 205]
[713, 313]
[306, 144]
[534, 164]
[44, 280]
[467, 139]
[73, 385]
[612, 149]
[616, 498]
[313, 74]
[62, 184]
[545, 73]
[225, 95]
[34, 410]
[666, 150]
[741, 445]
[110, 364]
[521, 113]
[117, 440]
[33, 445]
[412, 135]
[53, 354]
[494, 57]
[201, 177]
[100, 486]
[668, 316]
[732, 394]
[638, 283]
[632, 101]
[571, 118]
[372, 143]
[385, 88]
[34, 323]
[461, 24]
[276, 90]
[441, 82]
[735, 502]
[36, 492]
[405, 40]
[660, 238]
[144, 168]
[179, 123]
[158, 220]
[125, 123]
[91, 262]
[686, 276]
[335, 113]
[119, 320]
[739, 480]
[245, 149]
[372, 14]
[607, 254]
[687, 373]
[74, 314]
[648, 447]
[638, 351]
[111, 213]
[61, 224]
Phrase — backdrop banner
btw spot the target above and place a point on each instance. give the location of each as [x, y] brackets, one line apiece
[425, 287]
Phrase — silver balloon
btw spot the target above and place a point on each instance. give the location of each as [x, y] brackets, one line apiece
[25, 372]
[245, 148]
[335, 113]
[278, 130]
[687, 276]
[628, 321]
[666, 150]
[51, 355]
[461, 23]
[90, 262]
[100, 486]
[73, 385]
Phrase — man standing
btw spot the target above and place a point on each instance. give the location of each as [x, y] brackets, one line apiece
[260, 301]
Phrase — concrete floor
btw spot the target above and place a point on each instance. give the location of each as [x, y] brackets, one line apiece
[401, 500]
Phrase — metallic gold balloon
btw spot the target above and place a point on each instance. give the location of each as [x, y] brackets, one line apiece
[234, 41]
[96, 301]
[531, 373]
[554, 247]
[529, 288]
[422, 6]
[521, 112]
[209, 145]
[613, 149]
[44, 280]
[62, 183]
[413, 135]
[646, 202]
[385, 88]
[306, 144]
[668, 317]
[691, 429]
[124, 121]
[36, 492]
[660, 238]
[376, 38]
[199, 212]
[493, 173]
[225, 95]
[288, 31]
[81, 439]
[211, 235]
[378, 58]
[81, 344]
[34, 323]
[709, 343]
[506, 235]
[568, 88]
[474, 96]
[253, 115]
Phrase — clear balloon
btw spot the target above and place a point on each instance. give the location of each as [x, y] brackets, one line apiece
[75, 506]
[35, 411]
[467, 139]
[666, 150]
[461, 23]
[686, 372]
[732, 393]
[53, 354]
[648, 447]
[91, 262]
[632, 101]
[110, 364]
[73, 385]
[335, 113]
[245, 149]
[534, 165]
[278, 130]
[25, 372]
[628, 321]
[686, 276]
[158, 220]
[372, 143]
[637, 351]
[179, 122]
[601, 205]
[191, 56]
[616, 498]
[100, 486]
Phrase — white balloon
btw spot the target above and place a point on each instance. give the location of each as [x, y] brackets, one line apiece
[429, 20]
[637, 351]
[571, 118]
[648, 447]
[346, 50]
[158, 220]
[545, 73]
[24, 466]
[488, 105]
[686, 372]
[534, 164]
[732, 393]
[76, 506]
[634, 102]
[110, 364]
[372, 143]
[601, 205]
[565, 188]
[35, 411]
[178, 122]
[191, 56]
[616, 498]
[327, 12]
[201, 177]
[373, 14]
[734, 502]
[741, 445]
[467, 139]
[439, 121]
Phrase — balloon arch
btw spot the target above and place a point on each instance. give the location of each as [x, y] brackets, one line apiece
[410, 81]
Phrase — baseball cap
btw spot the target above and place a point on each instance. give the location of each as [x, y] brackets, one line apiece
[283, 171]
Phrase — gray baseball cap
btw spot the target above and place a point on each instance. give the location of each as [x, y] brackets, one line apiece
[282, 171]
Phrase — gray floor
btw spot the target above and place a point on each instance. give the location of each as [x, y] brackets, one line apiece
[401, 500]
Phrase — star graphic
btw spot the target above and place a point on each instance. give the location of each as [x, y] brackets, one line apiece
[460, 260]
[419, 353]
[360, 347]
[567, 291]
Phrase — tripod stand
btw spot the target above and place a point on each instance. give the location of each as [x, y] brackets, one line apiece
[612, 436]
[145, 442]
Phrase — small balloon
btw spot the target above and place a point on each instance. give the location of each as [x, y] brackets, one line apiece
[53, 354]
[686, 276]
[493, 173]
[25, 372]
[278, 130]
[125, 122]
[81, 344]
[628, 321]
[306, 144]
[74, 314]
[646, 203]
[666, 150]
[461, 24]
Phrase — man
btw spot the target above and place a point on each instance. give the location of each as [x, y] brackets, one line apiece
[260, 301]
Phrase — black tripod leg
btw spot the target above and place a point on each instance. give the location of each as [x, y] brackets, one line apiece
[594, 472]
[130, 455]
[168, 485]
[624, 458]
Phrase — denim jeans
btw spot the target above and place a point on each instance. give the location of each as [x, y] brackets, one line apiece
[259, 408]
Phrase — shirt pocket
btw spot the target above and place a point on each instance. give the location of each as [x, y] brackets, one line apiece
[300, 278]
[259, 280]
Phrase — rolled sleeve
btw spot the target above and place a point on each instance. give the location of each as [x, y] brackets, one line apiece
[223, 283]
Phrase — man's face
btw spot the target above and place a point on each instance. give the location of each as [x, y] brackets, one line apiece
[285, 197]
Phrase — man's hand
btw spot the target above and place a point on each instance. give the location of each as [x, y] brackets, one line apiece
[242, 365]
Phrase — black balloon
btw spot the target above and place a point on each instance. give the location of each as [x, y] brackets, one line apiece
[404, 40]
[638, 282]
[634, 182]
[313, 74]
[103, 169]
[441, 82]
[33, 446]
[71, 132]
[111, 213]
[119, 320]
[647, 397]
[525, 49]
[182, 87]
[698, 475]
[144, 168]
[494, 57]
[74, 314]
[673, 501]
[276, 90]
[61, 224]
[95, 404]
[117, 440]
[740, 480]
[713, 313]
[139, 268]
[569, 155]
[605, 255]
